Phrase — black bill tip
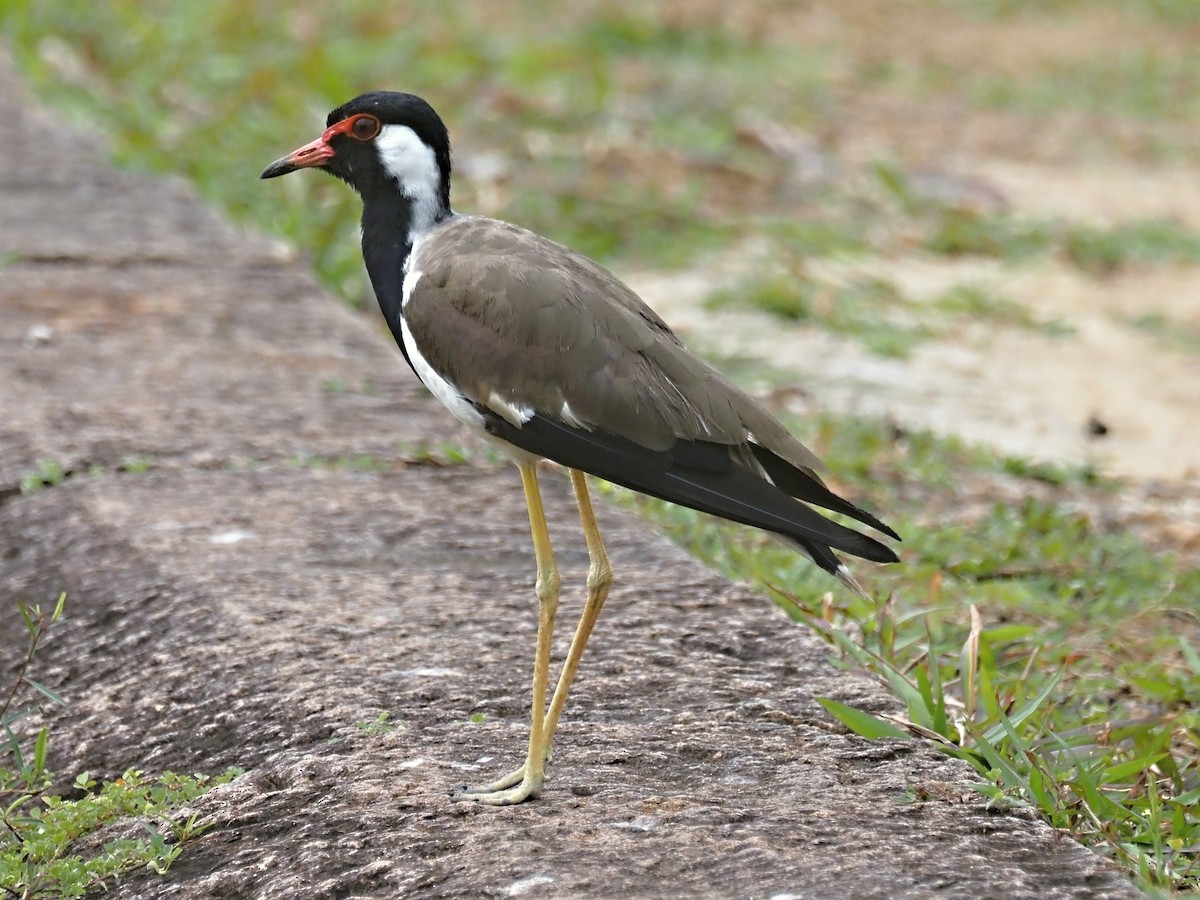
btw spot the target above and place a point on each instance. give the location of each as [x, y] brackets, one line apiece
[279, 167]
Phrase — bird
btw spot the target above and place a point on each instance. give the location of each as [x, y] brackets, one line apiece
[550, 356]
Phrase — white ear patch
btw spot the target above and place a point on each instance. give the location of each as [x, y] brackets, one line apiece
[411, 162]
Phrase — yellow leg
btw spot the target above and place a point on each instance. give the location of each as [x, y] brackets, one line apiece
[528, 783]
[599, 580]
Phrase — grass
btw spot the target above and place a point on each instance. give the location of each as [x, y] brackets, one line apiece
[1060, 658]
[379, 725]
[1103, 251]
[870, 310]
[1056, 655]
[1144, 80]
[886, 216]
[1141, 83]
[51, 847]
[953, 230]
[46, 473]
[874, 311]
[214, 92]
[1169, 11]
[1173, 334]
[975, 303]
[1096, 250]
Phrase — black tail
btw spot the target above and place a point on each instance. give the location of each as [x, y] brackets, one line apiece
[807, 487]
[703, 476]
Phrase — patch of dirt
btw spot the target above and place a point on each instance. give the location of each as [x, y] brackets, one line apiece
[1097, 192]
[1106, 392]
[253, 618]
[226, 615]
[1017, 389]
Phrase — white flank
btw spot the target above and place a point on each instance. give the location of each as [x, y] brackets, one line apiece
[411, 162]
[569, 418]
[449, 396]
[410, 282]
[517, 415]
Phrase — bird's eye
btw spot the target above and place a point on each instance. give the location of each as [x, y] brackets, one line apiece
[363, 128]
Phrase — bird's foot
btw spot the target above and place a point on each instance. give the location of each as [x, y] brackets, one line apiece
[512, 779]
[515, 787]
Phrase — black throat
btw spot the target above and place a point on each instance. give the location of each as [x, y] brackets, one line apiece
[386, 220]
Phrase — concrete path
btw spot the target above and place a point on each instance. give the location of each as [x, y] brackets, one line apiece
[244, 589]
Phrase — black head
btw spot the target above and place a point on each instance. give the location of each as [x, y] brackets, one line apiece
[380, 141]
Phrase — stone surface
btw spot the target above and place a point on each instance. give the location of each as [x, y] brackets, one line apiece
[238, 597]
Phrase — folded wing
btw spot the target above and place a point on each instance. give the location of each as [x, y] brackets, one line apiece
[565, 362]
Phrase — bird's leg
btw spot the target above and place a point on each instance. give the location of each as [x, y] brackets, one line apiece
[526, 782]
[599, 580]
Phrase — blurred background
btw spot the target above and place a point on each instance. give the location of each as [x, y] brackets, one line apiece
[954, 243]
[978, 216]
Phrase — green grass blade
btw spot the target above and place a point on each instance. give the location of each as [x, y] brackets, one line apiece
[862, 723]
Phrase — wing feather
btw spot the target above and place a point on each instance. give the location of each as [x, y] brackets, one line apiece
[731, 492]
[515, 321]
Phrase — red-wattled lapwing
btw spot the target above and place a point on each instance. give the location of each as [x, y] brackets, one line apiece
[550, 356]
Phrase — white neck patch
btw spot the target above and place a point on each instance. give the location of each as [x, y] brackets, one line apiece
[411, 162]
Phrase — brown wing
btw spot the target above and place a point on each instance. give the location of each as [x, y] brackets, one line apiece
[565, 361]
[564, 333]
